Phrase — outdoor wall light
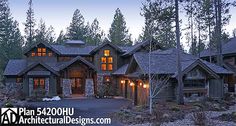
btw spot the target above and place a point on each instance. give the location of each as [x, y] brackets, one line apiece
[122, 81]
[140, 83]
[145, 86]
[131, 84]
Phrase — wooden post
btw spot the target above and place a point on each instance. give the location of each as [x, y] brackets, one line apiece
[136, 93]
[126, 88]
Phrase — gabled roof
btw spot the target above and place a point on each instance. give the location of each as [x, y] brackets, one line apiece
[69, 50]
[193, 64]
[107, 43]
[227, 48]
[14, 67]
[164, 62]
[78, 58]
[230, 67]
[36, 44]
[138, 46]
[122, 70]
[28, 68]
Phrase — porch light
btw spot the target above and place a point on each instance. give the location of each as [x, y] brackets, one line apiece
[107, 79]
[131, 84]
[145, 86]
[140, 83]
[122, 81]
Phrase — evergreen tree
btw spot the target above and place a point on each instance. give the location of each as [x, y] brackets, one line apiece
[118, 32]
[44, 34]
[30, 26]
[95, 34]
[159, 22]
[10, 38]
[77, 29]
[61, 38]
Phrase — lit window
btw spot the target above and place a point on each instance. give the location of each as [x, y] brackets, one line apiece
[104, 67]
[39, 83]
[110, 60]
[103, 59]
[110, 67]
[33, 54]
[106, 52]
[42, 83]
[19, 80]
[50, 54]
[39, 54]
[43, 54]
[44, 50]
[39, 49]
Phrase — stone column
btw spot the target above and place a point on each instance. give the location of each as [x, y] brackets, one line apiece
[66, 87]
[89, 88]
[47, 86]
[31, 86]
[100, 86]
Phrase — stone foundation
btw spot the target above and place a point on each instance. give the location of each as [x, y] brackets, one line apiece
[89, 88]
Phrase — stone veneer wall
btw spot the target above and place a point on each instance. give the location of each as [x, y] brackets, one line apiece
[100, 87]
[89, 88]
[47, 86]
[31, 86]
[13, 88]
[66, 87]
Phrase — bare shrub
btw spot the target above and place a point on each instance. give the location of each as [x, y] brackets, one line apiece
[199, 118]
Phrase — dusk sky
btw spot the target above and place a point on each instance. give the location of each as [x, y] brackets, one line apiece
[58, 13]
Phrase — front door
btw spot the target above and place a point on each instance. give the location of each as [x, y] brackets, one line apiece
[77, 86]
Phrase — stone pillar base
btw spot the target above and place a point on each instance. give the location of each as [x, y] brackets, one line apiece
[89, 88]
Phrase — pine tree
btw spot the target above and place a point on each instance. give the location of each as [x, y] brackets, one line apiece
[118, 32]
[10, 38]
[30, 26]
[76, 30]
[61, 38]
[159, 18]
[44, 34]
[95, 34]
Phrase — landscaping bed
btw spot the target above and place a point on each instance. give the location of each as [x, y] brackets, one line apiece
[164, 112]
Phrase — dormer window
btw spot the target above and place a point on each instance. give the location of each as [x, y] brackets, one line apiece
[41, 52]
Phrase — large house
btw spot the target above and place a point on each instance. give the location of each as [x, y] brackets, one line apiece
[78, 69]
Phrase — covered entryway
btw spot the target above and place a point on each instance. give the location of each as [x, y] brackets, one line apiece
[77, 86]
[77, 77]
